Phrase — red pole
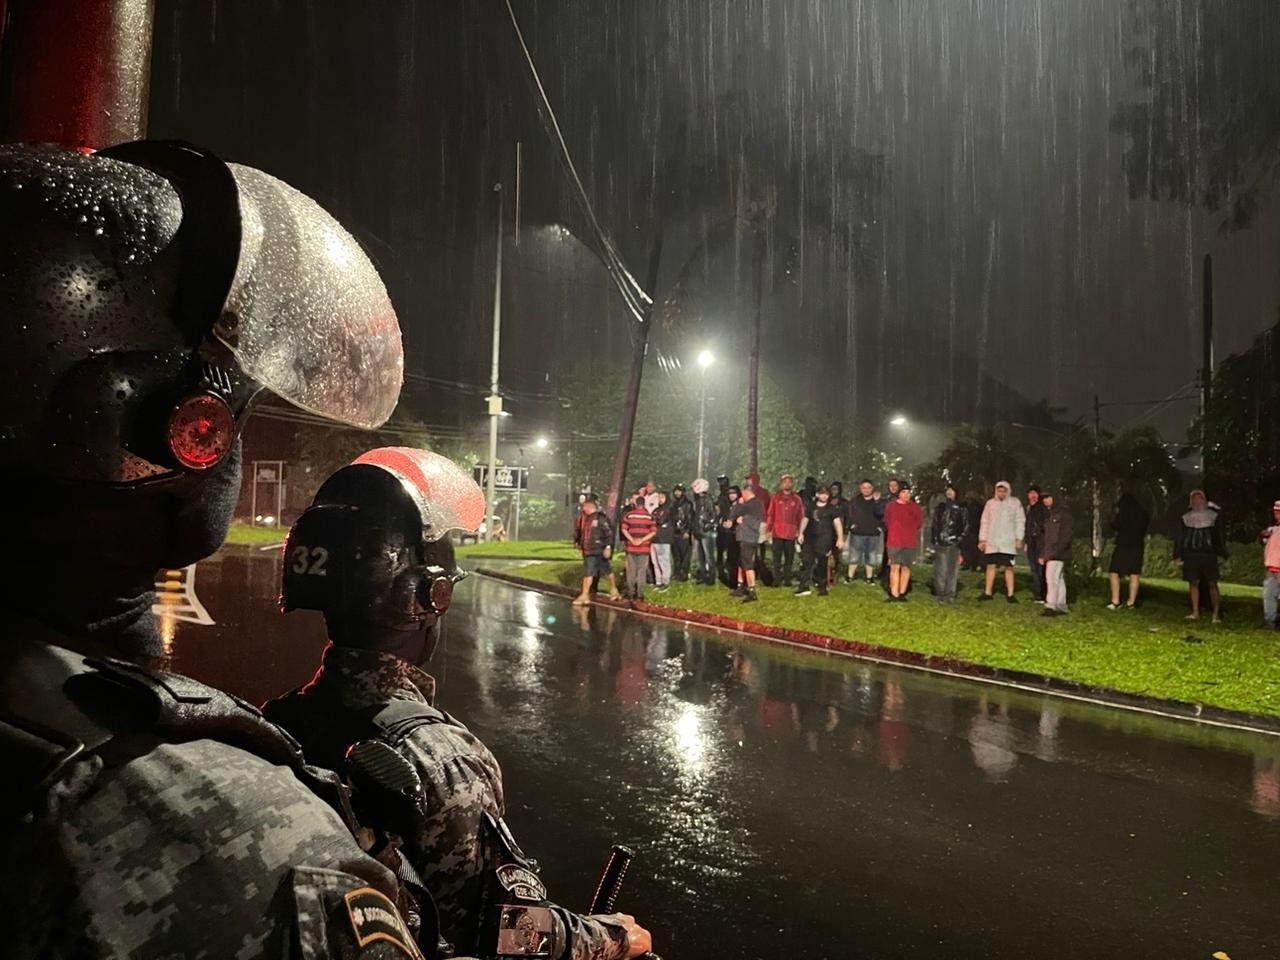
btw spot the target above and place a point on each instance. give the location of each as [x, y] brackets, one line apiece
[74, 72]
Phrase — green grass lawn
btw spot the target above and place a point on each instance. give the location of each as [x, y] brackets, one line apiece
[521, 550]
[250, 534]
[1151, 650]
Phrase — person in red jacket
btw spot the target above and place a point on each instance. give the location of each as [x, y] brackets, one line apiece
[782, 522]
[903, 519]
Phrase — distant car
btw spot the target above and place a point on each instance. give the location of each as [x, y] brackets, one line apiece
[499, 533]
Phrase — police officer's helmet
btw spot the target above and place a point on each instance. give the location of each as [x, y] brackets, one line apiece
[375, 544]
[152, 291]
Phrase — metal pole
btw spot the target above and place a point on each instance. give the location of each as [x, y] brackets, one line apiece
[1206, 370]
[753, 374]
[495, 400]
[702, 423]
[1096, 493]
[75, 73]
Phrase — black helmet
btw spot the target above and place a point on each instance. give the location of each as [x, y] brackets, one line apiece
[374, 546]
[152, 291]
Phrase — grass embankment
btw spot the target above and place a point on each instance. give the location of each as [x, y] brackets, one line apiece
[1150, 651]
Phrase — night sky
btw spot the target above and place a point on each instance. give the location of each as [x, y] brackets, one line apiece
[958, 200]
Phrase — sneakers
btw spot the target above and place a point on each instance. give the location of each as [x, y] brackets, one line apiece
[581, 601]
[822, 591]
[1113, 606]
[802, 592]
[869, 581]
[891, 599]
[985, 596]
[1041, 602]
[749, 597]
[1050, 612]
[1011, 598]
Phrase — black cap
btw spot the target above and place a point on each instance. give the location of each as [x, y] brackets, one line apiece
[678, 486]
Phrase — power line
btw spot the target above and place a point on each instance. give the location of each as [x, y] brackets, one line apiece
[636, 299]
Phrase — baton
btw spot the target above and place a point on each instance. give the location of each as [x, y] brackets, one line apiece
[606, 895]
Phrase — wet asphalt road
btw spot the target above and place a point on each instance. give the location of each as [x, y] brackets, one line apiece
[792, 804]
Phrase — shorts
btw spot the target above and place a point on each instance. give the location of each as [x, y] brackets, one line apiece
[903, 556]
[863, 549]
[747, 555]
[596, 565]
[1126, 559]
[998, 559]
[1195, 569]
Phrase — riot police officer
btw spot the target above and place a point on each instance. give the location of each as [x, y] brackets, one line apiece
[382, 527]
[151, 293]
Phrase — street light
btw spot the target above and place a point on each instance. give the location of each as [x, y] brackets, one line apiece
[705, 359]
[898, 421]
[541, 443]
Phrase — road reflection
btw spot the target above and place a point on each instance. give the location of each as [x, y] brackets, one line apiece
[780, 798]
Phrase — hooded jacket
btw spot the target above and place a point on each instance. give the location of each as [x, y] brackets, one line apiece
[1003, 523]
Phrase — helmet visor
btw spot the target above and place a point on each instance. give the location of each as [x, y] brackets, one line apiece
[445, 495]
[307, 315]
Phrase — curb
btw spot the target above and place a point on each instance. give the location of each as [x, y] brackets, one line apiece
[1018, 679]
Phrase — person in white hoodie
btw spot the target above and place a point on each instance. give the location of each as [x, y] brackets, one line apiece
[1000, 533]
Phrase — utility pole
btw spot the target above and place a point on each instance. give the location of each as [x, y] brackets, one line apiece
[622, 453]
[495, 400]
[1206, 368]
[753, 372]
[1097, 495]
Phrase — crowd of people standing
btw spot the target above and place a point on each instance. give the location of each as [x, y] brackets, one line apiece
[811, 538]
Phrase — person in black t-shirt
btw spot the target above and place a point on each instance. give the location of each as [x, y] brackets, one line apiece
[748, 518]
[821, 531]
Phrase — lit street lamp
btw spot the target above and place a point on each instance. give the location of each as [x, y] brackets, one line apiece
[541, 443]
[898, 421]
[705, 359]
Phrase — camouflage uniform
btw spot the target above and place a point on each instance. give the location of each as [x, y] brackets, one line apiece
[139, 846]
[463, 782]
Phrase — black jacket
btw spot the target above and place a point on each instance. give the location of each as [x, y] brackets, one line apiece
[1037, 514]
[1196, 539]
[663, 520]
[950, 523]
[863, 517]
[598, 534]
[681, 514]
[704, 514]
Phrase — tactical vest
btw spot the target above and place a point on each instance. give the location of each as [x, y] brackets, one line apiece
[516, 918]
[58, 709]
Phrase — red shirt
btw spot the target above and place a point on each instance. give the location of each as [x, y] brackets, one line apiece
[902, 523]
[638, 522]
[784, 514]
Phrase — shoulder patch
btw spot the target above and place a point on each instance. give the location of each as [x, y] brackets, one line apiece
[374, 918]
[521, 882]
